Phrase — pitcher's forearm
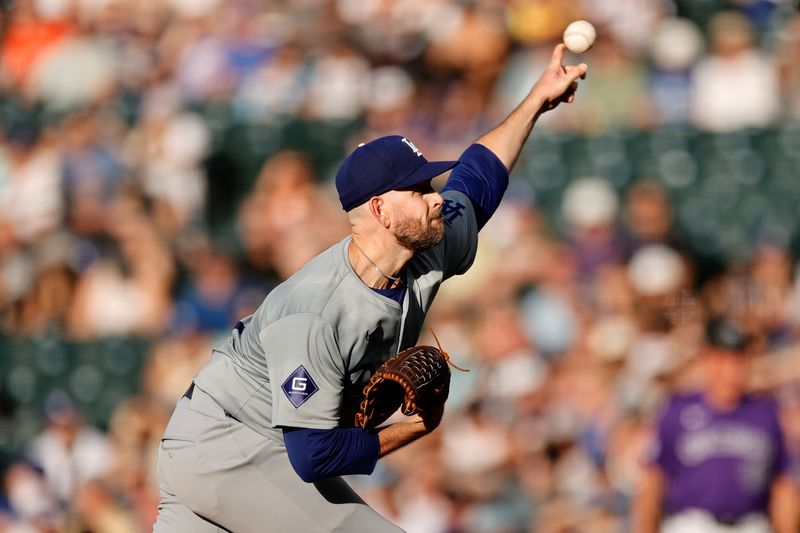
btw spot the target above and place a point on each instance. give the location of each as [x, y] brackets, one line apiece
[507, 139]
[557, 84]
[398, 435]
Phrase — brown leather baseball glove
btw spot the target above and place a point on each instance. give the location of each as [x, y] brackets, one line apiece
[415, 380]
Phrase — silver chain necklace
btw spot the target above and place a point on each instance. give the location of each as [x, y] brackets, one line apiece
[381, 272]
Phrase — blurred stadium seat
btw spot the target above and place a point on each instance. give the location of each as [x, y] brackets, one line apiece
[98, 375]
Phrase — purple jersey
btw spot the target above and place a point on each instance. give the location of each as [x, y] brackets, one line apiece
[723, 463]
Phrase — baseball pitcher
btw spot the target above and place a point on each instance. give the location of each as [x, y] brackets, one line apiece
[261, 437]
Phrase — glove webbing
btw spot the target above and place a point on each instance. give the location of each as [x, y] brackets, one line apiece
[424, 365]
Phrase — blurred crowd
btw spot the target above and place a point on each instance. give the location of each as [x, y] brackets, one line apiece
[110, 119]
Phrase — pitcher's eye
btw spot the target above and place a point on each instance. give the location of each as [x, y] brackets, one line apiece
[425, 188]
[421, 188]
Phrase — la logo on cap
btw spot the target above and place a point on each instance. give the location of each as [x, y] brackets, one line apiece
[412, 146]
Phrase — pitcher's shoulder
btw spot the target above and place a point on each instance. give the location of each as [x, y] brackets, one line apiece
[308, 289]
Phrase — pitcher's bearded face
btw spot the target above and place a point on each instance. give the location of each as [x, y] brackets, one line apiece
[415, 216]
[418, 235]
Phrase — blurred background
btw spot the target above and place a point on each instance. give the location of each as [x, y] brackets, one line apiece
[165, 163]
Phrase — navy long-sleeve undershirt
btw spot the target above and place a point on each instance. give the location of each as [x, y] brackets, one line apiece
[321, 453]
[482, 177]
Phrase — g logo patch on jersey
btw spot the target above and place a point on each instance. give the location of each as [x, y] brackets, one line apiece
[299, 386]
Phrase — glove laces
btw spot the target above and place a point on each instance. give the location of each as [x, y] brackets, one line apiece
[445, 354]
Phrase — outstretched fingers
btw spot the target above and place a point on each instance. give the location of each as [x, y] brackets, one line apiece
[558, 56]
[559, 82]
[575, 72]
[557, 61]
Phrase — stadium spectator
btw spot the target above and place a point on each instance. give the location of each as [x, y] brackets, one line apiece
[68, 451]
[674, 48]
[286, 220]
[788, 55]
[719, 459]
[29, 503]
[590, 207]
[734, 61]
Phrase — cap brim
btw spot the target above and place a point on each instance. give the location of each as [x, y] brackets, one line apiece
[724, 336]
[426, 172]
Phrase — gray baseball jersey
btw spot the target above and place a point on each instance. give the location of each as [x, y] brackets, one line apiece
[302, 359]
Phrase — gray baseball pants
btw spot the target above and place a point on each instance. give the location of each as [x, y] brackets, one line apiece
[216, 474]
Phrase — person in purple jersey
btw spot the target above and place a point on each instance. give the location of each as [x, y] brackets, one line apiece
[719, 461]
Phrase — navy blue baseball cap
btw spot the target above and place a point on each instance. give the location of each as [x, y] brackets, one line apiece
[724, 334]
[382, 165]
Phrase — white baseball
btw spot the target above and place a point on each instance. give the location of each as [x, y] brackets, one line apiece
[579, 36]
